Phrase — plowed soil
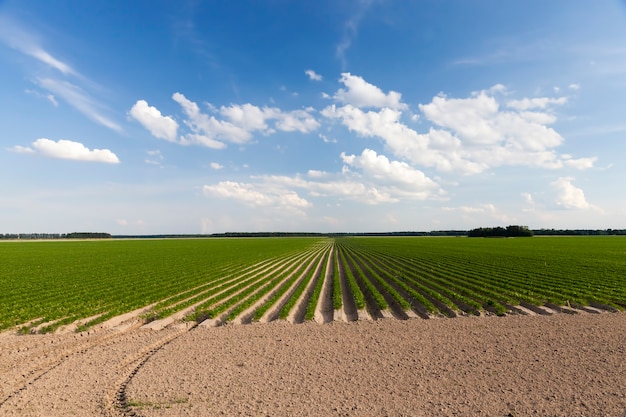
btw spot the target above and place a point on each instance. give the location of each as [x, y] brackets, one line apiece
[559, 365]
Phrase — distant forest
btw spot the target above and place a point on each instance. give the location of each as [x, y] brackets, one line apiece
[509, 231]
[38, 236]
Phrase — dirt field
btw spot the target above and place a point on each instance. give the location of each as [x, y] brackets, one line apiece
[558, 365]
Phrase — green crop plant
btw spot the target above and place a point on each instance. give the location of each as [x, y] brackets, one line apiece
[317, 291]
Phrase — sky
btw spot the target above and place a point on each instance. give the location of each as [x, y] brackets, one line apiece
[185, 117]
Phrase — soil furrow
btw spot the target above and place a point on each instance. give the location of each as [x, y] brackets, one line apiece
[324, 312]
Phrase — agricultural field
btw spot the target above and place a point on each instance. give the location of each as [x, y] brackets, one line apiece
[45, 286]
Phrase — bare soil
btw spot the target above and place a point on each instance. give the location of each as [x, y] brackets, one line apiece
[558, 365]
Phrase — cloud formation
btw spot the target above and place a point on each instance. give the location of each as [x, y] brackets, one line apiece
[360, 93]
[12, 34]
[313, 76]
[367, 178]
[67, 149]
[236, 123]
[255, 195]
[162, 127]
[568, 196]
[27, 43]
[466, 135]
[79, 99]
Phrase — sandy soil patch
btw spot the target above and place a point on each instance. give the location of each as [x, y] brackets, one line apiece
[560, 365]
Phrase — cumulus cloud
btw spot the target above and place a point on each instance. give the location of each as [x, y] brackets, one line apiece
[216, 166]
[397, 177]
[467, 135]
[258, 195]
[360, 93]
[536, 103]
[67, 149]
[568, 196]
[162, 127]
[313, 75]
[368, 178]
[236, 123]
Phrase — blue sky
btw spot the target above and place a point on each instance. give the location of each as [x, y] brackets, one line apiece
[209, 116]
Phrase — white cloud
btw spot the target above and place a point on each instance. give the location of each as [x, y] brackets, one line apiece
[528, 198]
[78, 99]
[248, 116]
[483, 208]
[313, 75]
[351, 27]
[296, 120]
[216, 166]
[203, 140]
[467, 135]
[326, 139]
[162, 127]
[568, 195]
[580, 163]
[12, 34]
[396, 177]
[239, 122]
[155, 157]
[368, 178]
[535, 103]
[438, 149]
[21, 149]
[574, 87]
[66, 149]
[258, 195]
[49, 97]
[360, 93]
[15, 37]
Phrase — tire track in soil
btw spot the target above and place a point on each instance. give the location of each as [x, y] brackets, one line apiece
[117, 399]
[43, 360]
[48, 352]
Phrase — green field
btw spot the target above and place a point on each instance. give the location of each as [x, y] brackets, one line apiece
[50, 284]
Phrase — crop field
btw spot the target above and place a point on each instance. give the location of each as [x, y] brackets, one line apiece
[45, 286]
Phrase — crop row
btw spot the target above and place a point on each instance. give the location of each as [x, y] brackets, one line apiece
[44, 285]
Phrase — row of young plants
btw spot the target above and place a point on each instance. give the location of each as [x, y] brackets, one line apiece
[275, 281]
[495, 275]
[60, 282]
[250, 279]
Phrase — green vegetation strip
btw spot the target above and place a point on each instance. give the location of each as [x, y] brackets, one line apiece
[67, 280]
[49, 284]
[313, 268]
[317, 291]
[359, 299]
[493, 272]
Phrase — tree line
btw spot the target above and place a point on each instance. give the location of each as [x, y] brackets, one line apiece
[509, 231]
[46, 236]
